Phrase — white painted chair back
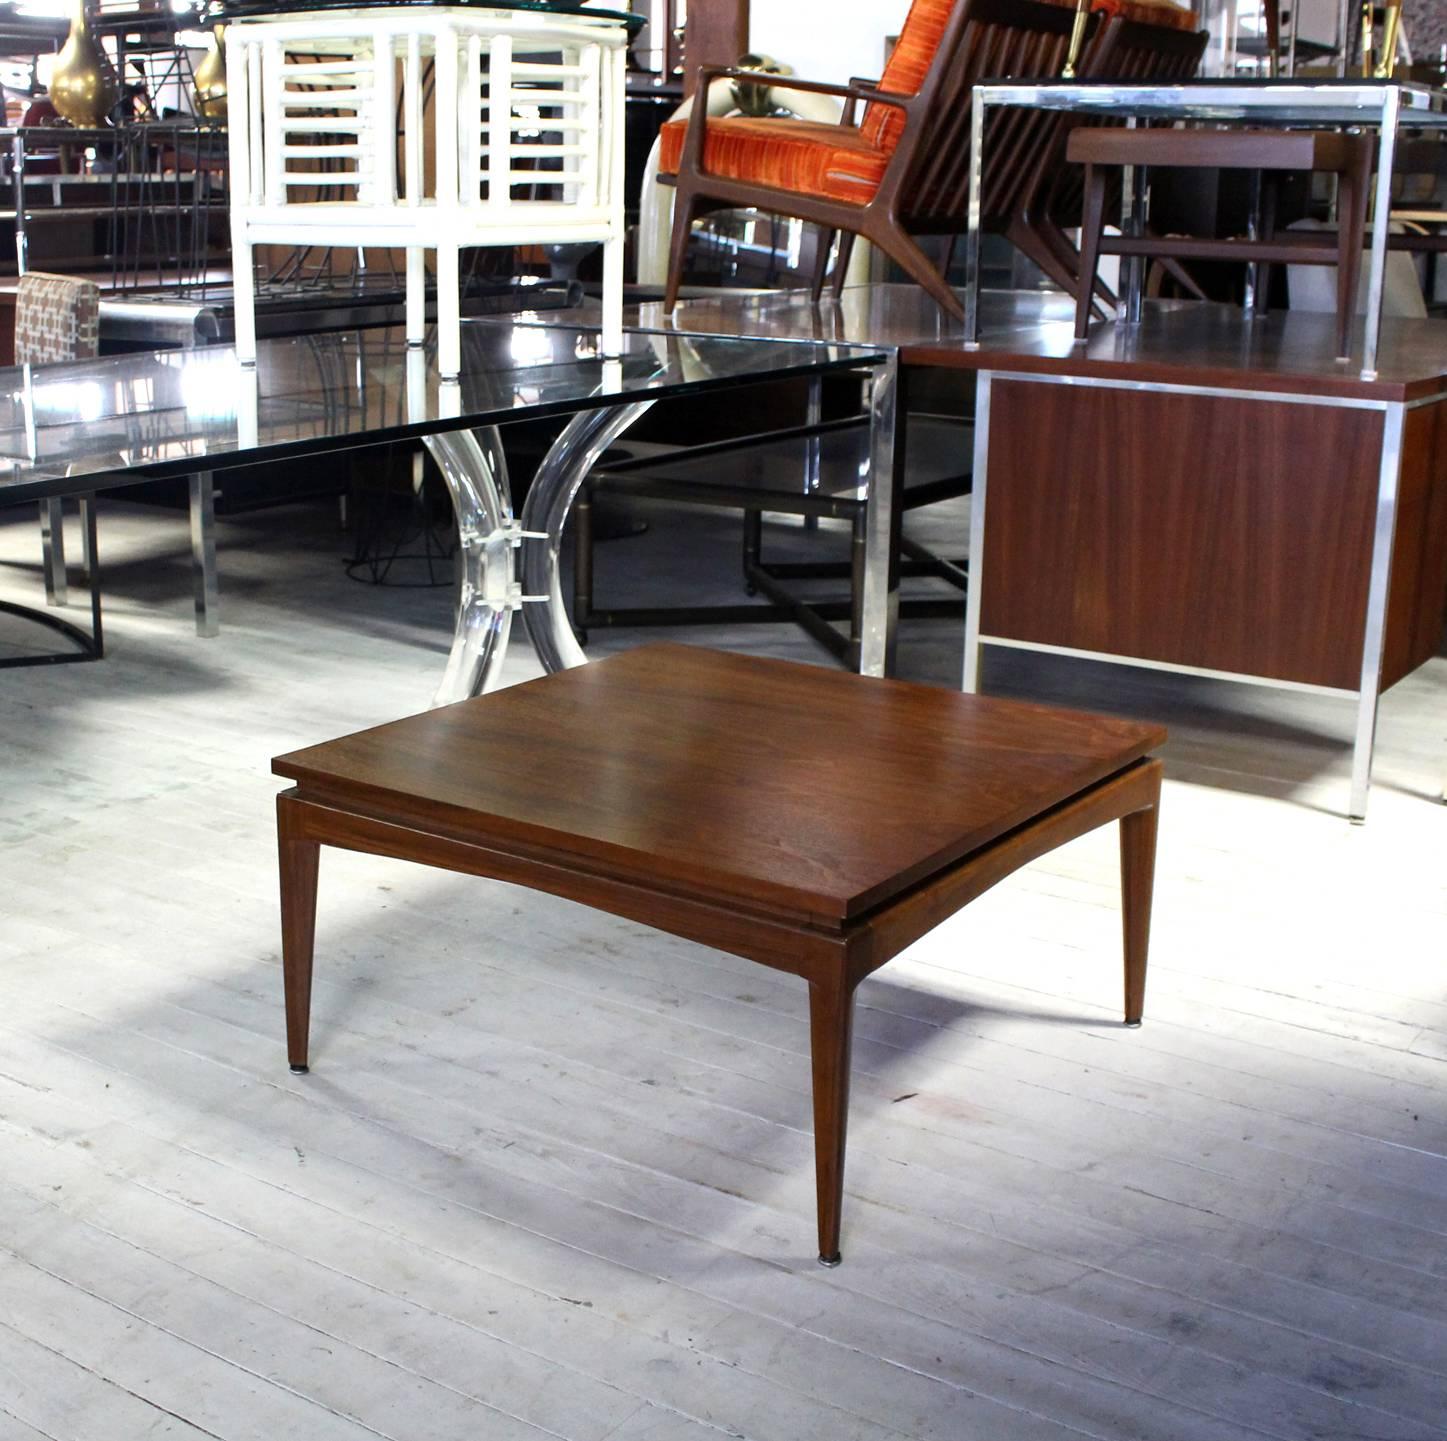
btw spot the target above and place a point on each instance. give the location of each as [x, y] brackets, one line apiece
[327, 142]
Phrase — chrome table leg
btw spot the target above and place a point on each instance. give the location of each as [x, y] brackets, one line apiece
[974, 653]
[882, 518]
[1378, 591]
[1382, 212]
[972, 234]
[562, 473]
[52, 543]
[203, 555]
[475, 472]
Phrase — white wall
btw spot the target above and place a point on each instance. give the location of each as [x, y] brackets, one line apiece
[826, 39]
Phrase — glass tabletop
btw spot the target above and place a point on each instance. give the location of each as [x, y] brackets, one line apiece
[224, 10]
[87, 425]
[1328, 99]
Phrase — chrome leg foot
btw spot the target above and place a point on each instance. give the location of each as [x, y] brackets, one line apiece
[301, 1070]
[1132, 1025]
[831, 1261]
[475, 473]
[561, 475]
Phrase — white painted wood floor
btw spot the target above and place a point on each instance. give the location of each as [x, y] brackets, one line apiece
[551, 1174]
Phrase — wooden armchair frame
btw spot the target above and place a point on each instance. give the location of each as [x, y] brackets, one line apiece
[925, 186]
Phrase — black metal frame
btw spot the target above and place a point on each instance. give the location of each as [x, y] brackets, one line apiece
[817, 617]
[88, 646]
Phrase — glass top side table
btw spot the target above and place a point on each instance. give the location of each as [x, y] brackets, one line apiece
[328, 105]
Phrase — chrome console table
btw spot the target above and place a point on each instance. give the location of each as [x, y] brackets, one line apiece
[1385, 105]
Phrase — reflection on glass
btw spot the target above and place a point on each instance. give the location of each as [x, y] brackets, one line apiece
[171, 409]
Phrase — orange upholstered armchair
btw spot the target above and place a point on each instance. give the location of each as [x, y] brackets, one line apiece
[901, 170]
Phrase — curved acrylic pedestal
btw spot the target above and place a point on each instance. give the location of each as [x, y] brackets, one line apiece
[475, 471]
[559, 478]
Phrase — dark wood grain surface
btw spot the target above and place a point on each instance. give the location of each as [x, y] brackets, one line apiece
[802, 789]
[1418, 601]
[1192, 530]
[1228, 149]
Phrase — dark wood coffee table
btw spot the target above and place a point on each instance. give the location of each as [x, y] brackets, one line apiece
[810, 820]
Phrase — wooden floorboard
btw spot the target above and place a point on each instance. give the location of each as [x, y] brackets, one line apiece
[550, 1175]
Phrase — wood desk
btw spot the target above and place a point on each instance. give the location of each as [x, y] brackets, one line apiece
[1219, 497]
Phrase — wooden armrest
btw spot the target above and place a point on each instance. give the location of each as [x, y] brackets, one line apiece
[692, 156]
[853, 91]
[851, 105]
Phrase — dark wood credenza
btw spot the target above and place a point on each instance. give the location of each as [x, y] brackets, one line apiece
[1213, 495]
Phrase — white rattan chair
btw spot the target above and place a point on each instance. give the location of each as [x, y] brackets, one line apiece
[527, 106]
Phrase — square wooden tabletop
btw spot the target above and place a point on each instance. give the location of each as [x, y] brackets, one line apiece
[776, 785]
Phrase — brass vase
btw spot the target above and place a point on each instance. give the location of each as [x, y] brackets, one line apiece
[82, 86]
[210, 79]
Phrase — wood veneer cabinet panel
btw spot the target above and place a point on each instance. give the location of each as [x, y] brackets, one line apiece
[1207, 531]
[1415, 612]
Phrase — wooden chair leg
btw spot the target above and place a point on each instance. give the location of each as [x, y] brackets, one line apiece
[947, 263]
[1137, 888]
[831, 1027]
[1092, 223]
[821, 262]
[298, 856]
[902, 249]
[1270, 196]
[1352, 189]
[1181, 276]
[841, 262]
[1068, 255]
[685, 208]
[1031, 243]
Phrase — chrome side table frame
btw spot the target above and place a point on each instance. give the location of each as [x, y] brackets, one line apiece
[1386, 105]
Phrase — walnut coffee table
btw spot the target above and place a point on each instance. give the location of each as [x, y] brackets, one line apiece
[813, 821]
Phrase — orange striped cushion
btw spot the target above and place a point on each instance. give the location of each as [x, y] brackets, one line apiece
[924, 27]
[804, 156]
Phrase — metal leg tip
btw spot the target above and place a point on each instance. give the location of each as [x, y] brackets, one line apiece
[1134, 1025]
[299, 1070]
[1357, 820]
[830, 1261]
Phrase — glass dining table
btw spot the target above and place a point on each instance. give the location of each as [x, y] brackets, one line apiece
[82, 427]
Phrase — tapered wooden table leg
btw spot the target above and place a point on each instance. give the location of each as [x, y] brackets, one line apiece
[831, 1028]
[299, 859]
[1137, 885]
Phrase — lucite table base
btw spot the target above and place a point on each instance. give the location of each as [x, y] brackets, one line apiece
[494, 582]
[474, 470]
